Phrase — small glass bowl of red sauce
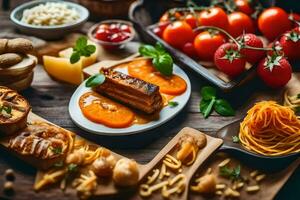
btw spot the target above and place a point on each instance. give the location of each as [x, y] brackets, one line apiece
[112, 34]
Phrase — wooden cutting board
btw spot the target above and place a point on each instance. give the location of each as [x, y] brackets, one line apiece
[270, 186]
[109, 188]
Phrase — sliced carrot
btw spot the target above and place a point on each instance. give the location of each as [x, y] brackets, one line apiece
[143, 69]
[100, 109]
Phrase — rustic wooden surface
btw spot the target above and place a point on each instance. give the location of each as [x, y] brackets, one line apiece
[49, 99]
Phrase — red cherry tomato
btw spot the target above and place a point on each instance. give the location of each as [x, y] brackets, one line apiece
[214, 17]
[252, 56]
[160, 28]
[290, 43]
[178, 34]
[189, 50]
[206, 43]
[273, 22]
[275, 75]
[240, 23]
[244, 6]
[191, 20]
[228, 60]
[166, 16]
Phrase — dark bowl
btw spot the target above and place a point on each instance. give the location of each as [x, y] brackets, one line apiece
[262, 162]
[144, 19]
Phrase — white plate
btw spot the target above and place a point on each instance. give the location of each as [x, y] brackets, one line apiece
[165, 114]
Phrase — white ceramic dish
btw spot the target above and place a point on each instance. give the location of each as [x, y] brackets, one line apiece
[166, 114]
[48, 32]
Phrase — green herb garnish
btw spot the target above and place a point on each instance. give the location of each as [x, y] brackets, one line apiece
[298, 96]
[56, 150]
[173, 104]
[161, 59]
[7, 109]
[210, 101]
[233, 174]
[72, 167]
[235, 139]
[95, 80]
[82, 48]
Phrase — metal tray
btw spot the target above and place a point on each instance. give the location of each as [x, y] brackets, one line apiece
[145, 13]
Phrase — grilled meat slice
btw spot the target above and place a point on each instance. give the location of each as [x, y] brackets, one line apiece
[40, 140]
[14, 110]
[131, 91]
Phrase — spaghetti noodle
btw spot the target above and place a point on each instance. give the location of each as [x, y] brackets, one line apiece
[270, 129]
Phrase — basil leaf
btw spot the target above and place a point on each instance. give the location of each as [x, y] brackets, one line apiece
[208, 92]
[75, 57]
[298, 96]
[81, 42]
[206, 106]
[173, 104]
[95, 80]
[235, 139]
[164, 64]
[90, 49]
[148, 50]
[159, 47]
[223, 108]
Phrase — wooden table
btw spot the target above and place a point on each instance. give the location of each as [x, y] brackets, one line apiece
[50, 99]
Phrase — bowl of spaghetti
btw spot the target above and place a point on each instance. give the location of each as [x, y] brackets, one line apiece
[271, 130]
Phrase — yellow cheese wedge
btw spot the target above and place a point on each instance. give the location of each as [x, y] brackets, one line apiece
[86, 61]
[61, 69]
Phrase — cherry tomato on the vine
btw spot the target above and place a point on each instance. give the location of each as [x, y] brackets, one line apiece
[273, 22]
[240, 23]
[191, 20]
[214, 17]
[229, 60]
[244, 6]
[178, 34]
[189, 50]
[206, 43]
[290, 43]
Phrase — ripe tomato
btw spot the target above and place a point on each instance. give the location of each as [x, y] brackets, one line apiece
[166, 16]
[189, 50]
[178, 33]
[206, 43]
[240, 23]
[160, 28]
[252, 56]
[275, 71]
[229, 60]
[244, 6]
[273, 22]
[214, 17]
[191, 20]
[290, 43]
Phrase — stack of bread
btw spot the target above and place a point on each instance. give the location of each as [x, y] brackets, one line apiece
[16, 65]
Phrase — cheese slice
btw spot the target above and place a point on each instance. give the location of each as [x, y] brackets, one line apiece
[61, 69]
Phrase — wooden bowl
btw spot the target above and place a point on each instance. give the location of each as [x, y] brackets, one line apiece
[105, 9]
